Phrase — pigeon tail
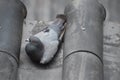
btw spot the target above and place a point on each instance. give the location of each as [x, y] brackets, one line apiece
[63, 17]
[58, 23]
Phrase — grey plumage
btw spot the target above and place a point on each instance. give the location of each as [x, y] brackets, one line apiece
[43, 45]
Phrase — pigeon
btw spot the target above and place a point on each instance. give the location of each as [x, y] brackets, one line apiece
[42, 46]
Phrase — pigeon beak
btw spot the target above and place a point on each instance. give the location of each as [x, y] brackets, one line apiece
[27, 40]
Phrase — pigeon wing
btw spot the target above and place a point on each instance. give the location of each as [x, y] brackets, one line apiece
[51, 51]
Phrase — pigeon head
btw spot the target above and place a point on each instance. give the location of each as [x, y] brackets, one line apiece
[34, 49]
